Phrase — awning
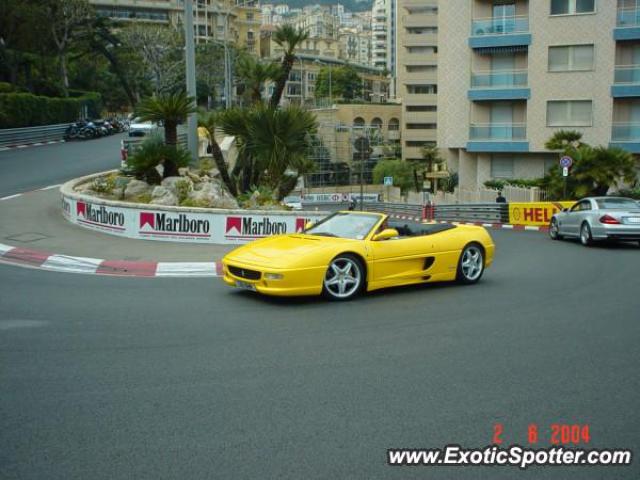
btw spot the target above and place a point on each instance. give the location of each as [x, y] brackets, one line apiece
[509, 49]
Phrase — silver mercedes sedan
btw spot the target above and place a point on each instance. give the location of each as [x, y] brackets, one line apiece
[598, 218]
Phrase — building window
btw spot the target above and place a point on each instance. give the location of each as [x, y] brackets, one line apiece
[420, 68]
[424, 89]
[394, 124]
[421, 30]
[572, 7]
[421, 126]
[421, 108]
[501, 167]
[570, 58]
[570, 113]
[419, 143]
[422, 50]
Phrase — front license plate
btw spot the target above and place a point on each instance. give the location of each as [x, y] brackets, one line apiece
[632, 219]
[245, 285]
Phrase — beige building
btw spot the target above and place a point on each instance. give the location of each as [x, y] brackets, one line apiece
[512, 73]
[416, 73]
[236, 21]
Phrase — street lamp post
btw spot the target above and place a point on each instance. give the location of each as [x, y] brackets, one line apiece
[190, 58]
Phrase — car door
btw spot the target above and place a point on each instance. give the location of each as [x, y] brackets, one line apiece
[570, 224]
[400, 260]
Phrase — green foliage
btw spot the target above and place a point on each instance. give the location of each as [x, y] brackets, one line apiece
[402, 173]
[495, 184]
[142, 198]
[204, 166]
[515, 182]
[345, 83]
[104, 185]
[258, 196]
[449, 183]
[169, 108]
[151, 153]
[630, 192]
[271, 141]
[6, 87]
[288, 38]
[27, 110]
[254, 74]
[594, 171]
[190, 202]
[564, 139]
[183, 187]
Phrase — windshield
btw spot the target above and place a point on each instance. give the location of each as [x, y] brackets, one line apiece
[614, 203]
[345, 225]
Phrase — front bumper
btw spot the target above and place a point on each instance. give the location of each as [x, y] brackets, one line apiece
[294, 282]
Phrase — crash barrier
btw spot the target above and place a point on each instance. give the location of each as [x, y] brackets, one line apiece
[10, 137]
[401, 211]
[476, 212]
[176, 224]
[535, 213]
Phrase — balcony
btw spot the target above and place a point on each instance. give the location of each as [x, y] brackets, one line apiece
[626, 81]
[499, 85]
[512, 31]
[627, 24]
[498, 137]
[626, 136]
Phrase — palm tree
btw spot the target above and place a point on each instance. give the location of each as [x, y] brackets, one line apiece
[271, 142]
[288, 38]
[170, 109]
[209, 121]
[255, 74]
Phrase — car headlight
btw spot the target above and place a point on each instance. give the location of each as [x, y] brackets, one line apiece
[273, 276]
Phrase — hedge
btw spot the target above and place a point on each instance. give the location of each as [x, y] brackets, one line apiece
[28, 110]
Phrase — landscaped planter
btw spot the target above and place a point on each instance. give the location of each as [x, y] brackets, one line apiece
[176, 224]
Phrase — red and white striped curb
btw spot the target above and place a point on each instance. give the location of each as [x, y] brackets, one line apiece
[95, 266]
[25, 145]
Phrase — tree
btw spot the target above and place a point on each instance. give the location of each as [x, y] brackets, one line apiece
[161, 51]
[345, 82]
[594, 171]
[170, 109]
[288, 38]
[210, 122]
[66, 19]
[401, 171]
[254, 74]
[272, 143]
[431, 157]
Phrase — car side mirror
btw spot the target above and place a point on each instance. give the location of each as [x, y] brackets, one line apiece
[308, 225]
[565, 209]
[386, 234]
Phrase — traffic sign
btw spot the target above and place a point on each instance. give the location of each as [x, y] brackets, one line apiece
[566, 162]
[388, 181]
[565, 171]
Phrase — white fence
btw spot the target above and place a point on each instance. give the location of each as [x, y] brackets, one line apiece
[483, 195]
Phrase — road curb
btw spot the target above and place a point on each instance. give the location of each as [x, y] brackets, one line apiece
[26, 145]
[94, 266]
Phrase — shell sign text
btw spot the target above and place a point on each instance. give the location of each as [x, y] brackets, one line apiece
[535, 213]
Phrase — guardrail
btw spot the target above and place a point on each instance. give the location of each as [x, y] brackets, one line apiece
[479, 212]
[22, 136]
[397, 210]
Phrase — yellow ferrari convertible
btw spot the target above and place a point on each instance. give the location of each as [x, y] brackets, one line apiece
[350, 252]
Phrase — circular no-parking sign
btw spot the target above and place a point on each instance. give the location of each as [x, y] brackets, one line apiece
[566, 161]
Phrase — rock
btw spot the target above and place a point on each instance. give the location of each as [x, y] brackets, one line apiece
[183, 171]
[225, 202]
[206, 193]
[163, 196]
[136, 187]
[170, 183]
[194, 177]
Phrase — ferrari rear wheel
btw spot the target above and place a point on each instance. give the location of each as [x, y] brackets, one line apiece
[471, 264]
[344, 278]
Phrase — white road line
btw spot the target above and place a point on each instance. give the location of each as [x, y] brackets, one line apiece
[63, 263]
[186, 269]
[529, 227]
[50, 187]
[22, 146]
[10, 196]
[5, 248]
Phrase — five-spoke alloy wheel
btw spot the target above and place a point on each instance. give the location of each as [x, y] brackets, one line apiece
[344, 278]
[554, 230]
[471, 264]
[585, 235]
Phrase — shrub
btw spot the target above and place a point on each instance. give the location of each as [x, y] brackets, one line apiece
[495, 184]
[630, 192]
[142, 198]
[27, 110]
[104, 184]
[6, 87]
[183, 187]
[402, 173]
[151, 153]
[204, 166]
[190, 202]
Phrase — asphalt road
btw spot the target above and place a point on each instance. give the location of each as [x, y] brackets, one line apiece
[30, 168]
[131, 378]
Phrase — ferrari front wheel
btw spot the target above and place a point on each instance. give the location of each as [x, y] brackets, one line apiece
[344, 278]
[471, 264]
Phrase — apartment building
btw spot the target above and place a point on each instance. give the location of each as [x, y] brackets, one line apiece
[236, 21]
[511, 73]
[379, 27]
[416, 73]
